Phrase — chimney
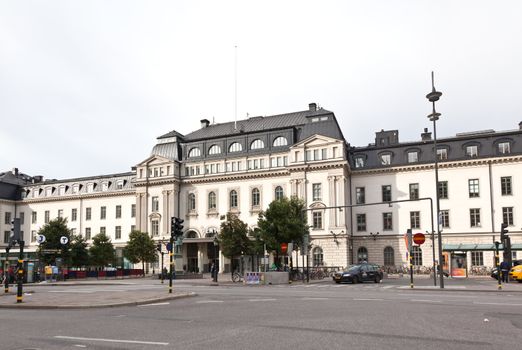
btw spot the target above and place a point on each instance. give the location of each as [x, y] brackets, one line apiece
[312, 107]
[15, 172]
[426, 136]
[520, 125]
[204, 123]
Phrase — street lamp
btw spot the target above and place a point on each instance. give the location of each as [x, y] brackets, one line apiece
[433, 97]
[216, 257]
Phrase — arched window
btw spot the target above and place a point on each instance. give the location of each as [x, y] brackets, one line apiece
[280, 141]
[235, 147]
[214, 149]
[389, 256]
[191, 201]
[256, 197]
[257, 144]
[362, 255]
[417, 256]
[233, 199]
[279, 194]
[194, 152]
[212, 201]
[191, 234]
[318, 256]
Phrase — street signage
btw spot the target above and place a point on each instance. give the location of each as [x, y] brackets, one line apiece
[169, 247]
[40, 239]
[64, 240]
[419, 238]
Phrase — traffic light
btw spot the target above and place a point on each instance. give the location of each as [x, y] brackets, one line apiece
[176, 227]
[503, 232]
[158, 248]
[15, 232]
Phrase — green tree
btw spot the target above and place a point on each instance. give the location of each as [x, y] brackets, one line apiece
[101, 252]
[233, 239]
[79, 253]
[140, 247]
[51, 249]
[283, 222]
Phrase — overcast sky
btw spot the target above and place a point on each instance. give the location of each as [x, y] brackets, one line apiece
[87, 86]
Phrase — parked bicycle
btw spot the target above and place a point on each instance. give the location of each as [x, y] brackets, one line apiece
[237, 277]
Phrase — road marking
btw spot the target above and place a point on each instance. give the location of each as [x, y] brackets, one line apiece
[267, 299]
[388, 287]
[80, 346]
[208, 301]
[112, 340]
[368, 299]
[154, 304]
[70, 291]
[503, 304]
[314, 298]
[425, 301]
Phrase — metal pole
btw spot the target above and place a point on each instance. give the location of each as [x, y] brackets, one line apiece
[20, 276]
[162, 274]
[171, 261]
[433, 245]
[411, 268]
[497, 260]
[437, 199]
[6, 270]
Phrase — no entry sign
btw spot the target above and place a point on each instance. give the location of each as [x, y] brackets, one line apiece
[419, 238]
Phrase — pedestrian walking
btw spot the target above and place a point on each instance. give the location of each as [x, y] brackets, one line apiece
[504, 268]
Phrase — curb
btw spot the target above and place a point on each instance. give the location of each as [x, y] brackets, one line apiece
[460, 290]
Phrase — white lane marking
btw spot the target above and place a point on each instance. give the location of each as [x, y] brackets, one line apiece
[112, 340]
[504, 304]
[154, 304]
[368, 299]
[267, 299]
[425, 301]
[70, 291]
[388, 287]
[314, 298]
[80, 346]
[208, 301]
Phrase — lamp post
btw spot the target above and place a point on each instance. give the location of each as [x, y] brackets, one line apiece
[434, 96]
[216, 258]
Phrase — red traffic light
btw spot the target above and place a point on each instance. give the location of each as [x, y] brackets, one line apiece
[284, 248]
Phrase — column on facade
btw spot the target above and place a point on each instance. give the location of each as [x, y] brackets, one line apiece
[302, 188]
[200, 259]
[138, 211]
[144, 210]
[293, 188]
[165, 216]
[341, 200]
[331, 200]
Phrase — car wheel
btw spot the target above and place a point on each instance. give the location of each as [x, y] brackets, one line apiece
[377, 279]
[355, 280]
[519, 281]
[338, 282]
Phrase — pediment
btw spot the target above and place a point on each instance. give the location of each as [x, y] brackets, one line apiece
[154, 160]
[316, 140]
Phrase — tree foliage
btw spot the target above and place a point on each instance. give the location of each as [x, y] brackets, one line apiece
[51, 249]
[140, 247]
[101, 251]
[79, 254]
[233, 239]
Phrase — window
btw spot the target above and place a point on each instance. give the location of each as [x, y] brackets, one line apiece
[507, 215]
[256, 197]
[472, 151]
[235, 147]
[280, 141]
[323, 153]
[334, 152]
[443, 189]
[75, 189]
[22, 218]
[414, 191]
[415, 219]
[386, 193]
[385, 159]
[34, 217]
[48, 191]
[360, 197]
[316, 192]
[361, 222]
[389, 256]
[214, 149]
[155, 204]
[413, 157]
[359, 162]
[194, 152]
[88, 212]
[477, 258]
[505, 185]
[417, 255]
[257, 144]
[74, 214]
[212, 204]
[119, 185]
[442, 154]
[33, 236]
[387, 223]
[154, 228]
[7, 218]
[103, 213]
[317, 220]
[103, 230]
[474, 217]
[445, 221]
[118, 212]
[90, 187]
[362, 255]
[61, 190]
[473, 185]
[117, 232]
[318, 256]
[133, 228]
[47, 215]
[191, 202]
[60, 213]
[233, 199]
[279, 194]
[105, 186]
[133, 210]
[87, 233]
[6, 236]
[504, 148]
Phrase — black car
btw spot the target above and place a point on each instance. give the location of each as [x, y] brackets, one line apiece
[359, 273]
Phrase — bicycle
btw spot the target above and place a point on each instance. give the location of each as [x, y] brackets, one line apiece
[237, 277]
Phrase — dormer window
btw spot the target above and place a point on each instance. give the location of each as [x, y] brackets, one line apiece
[119, 184]
[280, 141]
[61, 190]
[214, 149]
[90, 187]
[472, 151]
[105, 186]
[257, 144]
[442, 154]
[359, 162]
[235, 147]
[385, 159]
[194, 152]
[75, 189]
[413, 157]
[49, 191]
[504, 148]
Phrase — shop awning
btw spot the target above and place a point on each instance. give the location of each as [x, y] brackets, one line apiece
[476, 247]
[198, 240]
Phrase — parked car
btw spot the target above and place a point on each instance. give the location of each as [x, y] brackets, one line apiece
[516, 273]
[359, 273]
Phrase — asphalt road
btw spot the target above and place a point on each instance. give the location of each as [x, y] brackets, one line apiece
[316, 316]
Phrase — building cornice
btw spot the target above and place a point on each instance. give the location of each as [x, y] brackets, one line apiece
[77, 197]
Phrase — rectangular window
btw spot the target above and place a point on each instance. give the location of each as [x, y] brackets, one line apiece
[414, 191]
[119, 185]
[155, 204]
[6, 236]
[88, 213]
[308, 155]
[360, 196]
[359, 162]
[504, 148]
[317, 220]
[60, 213]
[133, 210]
[73, 231]
[505, 185]
[443, 189]
[507, 215]
[385, 159]
[33, 236]
[34, 217]
[472, 151]
[74, 214]
[133, 228]
[117, 232]
[473, 185]
[22, 218]
[155, 228]
[361, 222]
[103, 213]
[442, 154]
[118, 212]
[316, 189]
[477, 258]
[7, 218]
[387, 223]
[316, 154]
[413, 157]
[474, 217]
[323, 153]
[386, 193]
[87, 233]
[103, 231]
[47, 216]
[415, 219]
[444, 214]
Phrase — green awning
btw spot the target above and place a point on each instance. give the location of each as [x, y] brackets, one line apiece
[477, 247]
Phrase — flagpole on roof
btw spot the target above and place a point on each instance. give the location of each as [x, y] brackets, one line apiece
[235, 87]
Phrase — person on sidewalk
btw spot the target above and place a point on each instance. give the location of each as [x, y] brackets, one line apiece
[504, 268]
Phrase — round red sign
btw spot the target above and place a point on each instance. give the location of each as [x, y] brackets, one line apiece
[419, 238]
